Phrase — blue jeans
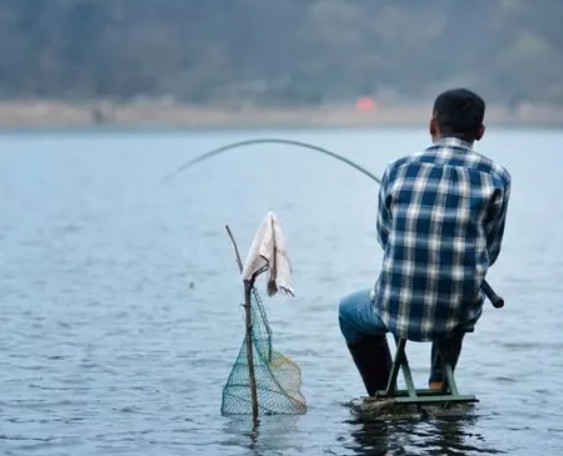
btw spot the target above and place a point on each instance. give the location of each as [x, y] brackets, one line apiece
[358, 317]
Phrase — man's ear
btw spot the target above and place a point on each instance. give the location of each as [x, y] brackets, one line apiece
[480, 132]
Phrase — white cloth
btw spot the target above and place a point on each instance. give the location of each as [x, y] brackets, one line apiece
[268, 253]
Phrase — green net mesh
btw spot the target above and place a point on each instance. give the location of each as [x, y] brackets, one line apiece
[278, 379]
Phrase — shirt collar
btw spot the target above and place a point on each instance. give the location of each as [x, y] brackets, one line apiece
[452, 141]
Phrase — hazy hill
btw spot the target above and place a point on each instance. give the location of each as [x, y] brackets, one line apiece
[275, 52]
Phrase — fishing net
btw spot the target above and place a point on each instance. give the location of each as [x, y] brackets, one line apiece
[278, 379]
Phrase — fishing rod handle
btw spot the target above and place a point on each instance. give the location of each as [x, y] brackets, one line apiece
[495, 299]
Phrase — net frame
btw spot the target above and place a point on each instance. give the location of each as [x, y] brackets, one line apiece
[277, 378]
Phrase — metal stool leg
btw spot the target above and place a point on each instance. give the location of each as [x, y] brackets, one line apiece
[399, 355]
[424, 396]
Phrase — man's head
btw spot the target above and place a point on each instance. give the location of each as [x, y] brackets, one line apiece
[459, 113]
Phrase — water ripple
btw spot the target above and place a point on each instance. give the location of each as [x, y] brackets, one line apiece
[121, 301]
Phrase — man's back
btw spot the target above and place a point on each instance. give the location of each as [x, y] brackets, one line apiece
[441, 221]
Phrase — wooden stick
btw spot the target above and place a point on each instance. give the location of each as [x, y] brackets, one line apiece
[237, 254]
[249, 350]
[248, 284]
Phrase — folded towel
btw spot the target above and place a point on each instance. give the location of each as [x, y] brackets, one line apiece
[268, 253]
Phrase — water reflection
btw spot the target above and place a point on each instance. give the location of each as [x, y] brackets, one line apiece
[429, 435]
[371, 438]
[271, 432]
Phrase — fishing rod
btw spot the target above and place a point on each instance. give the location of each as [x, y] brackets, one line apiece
[495, 299]
[251, 142]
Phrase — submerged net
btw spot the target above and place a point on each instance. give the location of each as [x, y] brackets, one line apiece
[278, 379]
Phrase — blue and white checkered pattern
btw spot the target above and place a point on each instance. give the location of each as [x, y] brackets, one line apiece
[441, 221]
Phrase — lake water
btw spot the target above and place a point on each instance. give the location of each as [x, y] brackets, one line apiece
[120, 297]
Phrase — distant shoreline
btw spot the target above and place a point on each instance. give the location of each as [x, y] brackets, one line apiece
[30, 114]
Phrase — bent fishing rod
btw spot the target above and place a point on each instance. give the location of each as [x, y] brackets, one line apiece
[495, 299]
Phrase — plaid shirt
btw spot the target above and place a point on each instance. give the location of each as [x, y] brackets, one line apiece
[441, 221]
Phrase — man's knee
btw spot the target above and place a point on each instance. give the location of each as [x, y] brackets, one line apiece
[343, 308]
[348, 310]
[348, 317]
[343, 312]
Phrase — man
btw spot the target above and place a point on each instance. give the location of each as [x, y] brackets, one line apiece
[440, 223]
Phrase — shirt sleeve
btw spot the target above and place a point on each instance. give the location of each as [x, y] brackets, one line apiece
[496, 220]
[384, 213]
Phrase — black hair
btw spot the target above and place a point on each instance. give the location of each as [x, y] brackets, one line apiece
[459, 112]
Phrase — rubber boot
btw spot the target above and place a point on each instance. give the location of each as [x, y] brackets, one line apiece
[447, 350]
[373, 360]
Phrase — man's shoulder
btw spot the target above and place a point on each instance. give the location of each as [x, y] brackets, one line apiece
[495, 169]
[413, 158]
[439, 156]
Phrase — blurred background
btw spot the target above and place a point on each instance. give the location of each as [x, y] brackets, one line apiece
[256, 62]
[120, 299]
